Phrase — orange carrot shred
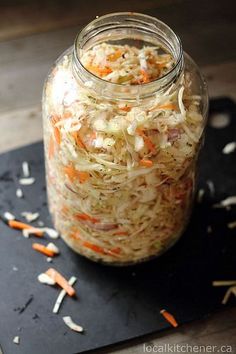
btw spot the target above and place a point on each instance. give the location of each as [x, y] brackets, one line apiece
[101, 250]
[86, 217]
[114, 250]
[146, 163]
[93, 247]
[169, 106]
[67, 114]
[169, 318]
[147, 140]
[51, 148]
[98, 70]
[54, 119]
[73, 174]
[43, 249]
[78, 140]
[114, 56]
[21, 226]
[120, 233]
[145, 76]
[57, 135]
[83, 176]
[125, 109]
[61, 281]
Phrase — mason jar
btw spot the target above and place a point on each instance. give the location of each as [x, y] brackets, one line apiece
[124, 112]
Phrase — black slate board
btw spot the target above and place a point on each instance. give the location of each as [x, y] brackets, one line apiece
[115, 304]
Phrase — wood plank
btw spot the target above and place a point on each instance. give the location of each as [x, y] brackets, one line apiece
[20, 127]
[218, 329]
[25, 17]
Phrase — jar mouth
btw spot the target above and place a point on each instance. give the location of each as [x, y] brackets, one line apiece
[160, 34]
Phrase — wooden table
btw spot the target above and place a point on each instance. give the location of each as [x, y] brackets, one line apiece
[31, 38]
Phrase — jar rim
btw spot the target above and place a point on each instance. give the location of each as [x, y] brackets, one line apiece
[143, 19]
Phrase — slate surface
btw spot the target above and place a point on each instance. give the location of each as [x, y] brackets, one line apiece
[114, 304]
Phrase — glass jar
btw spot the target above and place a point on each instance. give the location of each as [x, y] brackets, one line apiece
[122, 139]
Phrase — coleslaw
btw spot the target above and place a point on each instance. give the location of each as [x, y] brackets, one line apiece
[120, 174]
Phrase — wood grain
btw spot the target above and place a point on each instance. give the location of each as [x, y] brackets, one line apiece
[25, 17]
[28, 49]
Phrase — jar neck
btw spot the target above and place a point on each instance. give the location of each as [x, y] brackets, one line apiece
[125, 28]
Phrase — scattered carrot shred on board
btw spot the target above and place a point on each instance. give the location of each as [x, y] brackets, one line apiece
[21, 226]
[146, 163]
[43, 249]
[61, 281]
[169, 318]
[147, 140]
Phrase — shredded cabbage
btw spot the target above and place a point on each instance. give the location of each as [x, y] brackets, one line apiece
[120, 176]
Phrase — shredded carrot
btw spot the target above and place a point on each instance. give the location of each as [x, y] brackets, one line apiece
[169, 106]
[114, 250]
[98, 70]
[21, 226]
[74, 236]
[51, 148]
[101, 250]
[61, 281]
[120, 233]
[125, 109]
[93, 247]
[78, 140]
[57, 135]
[146, 163]
[64, 209]
[114, 56]
[55, 118]
[43, 249]
[147, 140]
[169, 318]
[145, 76]
[83, 176]
[86, 217]
[67, 114]
[73, 174]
